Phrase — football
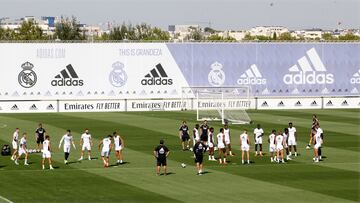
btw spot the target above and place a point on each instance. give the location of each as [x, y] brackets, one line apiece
[183, 165]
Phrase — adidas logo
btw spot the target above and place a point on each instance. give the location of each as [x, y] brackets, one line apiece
[157, 76]
[344, 103]
[329, 103]
[314, 73]
[50, 107]
[64, 79]
[251, 76]
[356, 78]
[281, 103]
[15, 107]
[313, 103]
[33, 107]
[264, 104]
[298, 103]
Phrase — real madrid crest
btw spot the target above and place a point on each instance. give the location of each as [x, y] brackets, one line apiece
[27, 77]
[118, 76]
[216, 76]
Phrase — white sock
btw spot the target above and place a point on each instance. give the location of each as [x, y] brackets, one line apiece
[271, 159]
[290, 154]
[242, 161]
[295, 153]
[43, 167]
[25, 161]
[230, 153]
[248, 161]
[81, 157]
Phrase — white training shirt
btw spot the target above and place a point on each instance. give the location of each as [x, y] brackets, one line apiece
[23, 142]
[227, 134]
[220, 138]
[86, 138]
[106, 144]
[244, 139]
[15, 136]
[258, 132]
[67, 140]
[272, 138]
[292, 132]
[46, 144]
[196, 134]
[279, 140]
[318, 138]
[117, 141]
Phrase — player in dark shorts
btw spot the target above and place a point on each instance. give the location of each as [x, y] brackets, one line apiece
[39, 135]
[160, 153]
[199, 150]
[184, 135]
[204, 129]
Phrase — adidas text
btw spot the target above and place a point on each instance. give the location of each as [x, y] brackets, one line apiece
[157, 81]
[355, 80]
[308, 78]
[251, 81]
[67, 82]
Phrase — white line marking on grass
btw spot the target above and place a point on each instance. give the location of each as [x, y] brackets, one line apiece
[6, 200]
[2, 125]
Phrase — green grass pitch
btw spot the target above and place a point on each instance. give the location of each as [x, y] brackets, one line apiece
[336, 179]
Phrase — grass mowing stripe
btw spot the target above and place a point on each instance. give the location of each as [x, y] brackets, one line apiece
[141, 147]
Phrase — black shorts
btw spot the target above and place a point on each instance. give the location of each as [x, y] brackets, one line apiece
[199, 159]
[161, 161]
[185, 138]
[39, 140]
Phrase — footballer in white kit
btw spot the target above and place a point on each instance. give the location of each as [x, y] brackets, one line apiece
[14, 142]
[292, 139]
[46, 152]
[119, 146]
[85, 143]
[23, 150]
[221, 146]
[106, 148]
[245, 146]
[196, 135]
[258, 134]
[211, 145]
[318, 141]
[279, 142]
[227, 139]
[272, 147]
[68, 140]
[286, 146]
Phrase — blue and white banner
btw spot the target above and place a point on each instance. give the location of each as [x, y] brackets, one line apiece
[82, 71]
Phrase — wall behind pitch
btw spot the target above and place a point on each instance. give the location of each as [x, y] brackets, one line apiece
[81, 71]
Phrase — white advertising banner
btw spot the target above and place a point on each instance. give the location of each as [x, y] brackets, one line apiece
[28, 106]
[225, 103]
[289, 103]
[157, 105]
[341, 102]
[92, 106]
[50, 71]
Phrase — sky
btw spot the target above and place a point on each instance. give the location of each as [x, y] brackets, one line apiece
[219, 14]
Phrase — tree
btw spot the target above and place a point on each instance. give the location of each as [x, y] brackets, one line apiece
[29, 31]
[285, 36]
[274, 36]
[214, 38]
[249, 37]
[68, 29]
[349, 36]
[209, 30]
[327, 36]
[7, 34]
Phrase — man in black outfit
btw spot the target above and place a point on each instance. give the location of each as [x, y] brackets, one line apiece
[199, 150]
[160, 153]
[184, 135]
[39, 135]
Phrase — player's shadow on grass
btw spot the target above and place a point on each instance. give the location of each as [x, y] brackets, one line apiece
[123, 163]
[206, 172]
[167, 174]
[72, 162]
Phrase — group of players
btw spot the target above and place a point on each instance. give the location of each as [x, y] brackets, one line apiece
[281, 143]
[44, 145]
